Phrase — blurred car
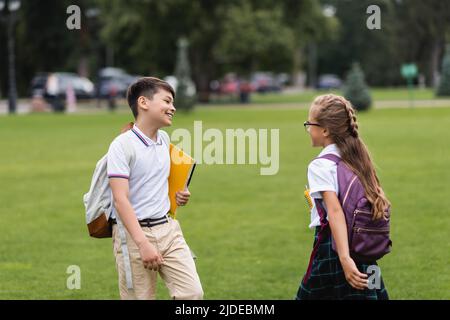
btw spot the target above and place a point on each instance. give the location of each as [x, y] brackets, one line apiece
[260, 82]
[230, 85]
[266, 82]
[113, 81]
[55, 85]
[329, 81]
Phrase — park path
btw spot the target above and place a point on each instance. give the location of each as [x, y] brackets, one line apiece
[383, 104]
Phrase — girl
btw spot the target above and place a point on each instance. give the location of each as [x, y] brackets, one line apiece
[335, 275]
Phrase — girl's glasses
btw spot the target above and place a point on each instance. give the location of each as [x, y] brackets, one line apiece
[307, 124]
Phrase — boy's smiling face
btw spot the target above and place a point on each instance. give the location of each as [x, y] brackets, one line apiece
[159, 109]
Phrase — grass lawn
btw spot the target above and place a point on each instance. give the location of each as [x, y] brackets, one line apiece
[249, 231]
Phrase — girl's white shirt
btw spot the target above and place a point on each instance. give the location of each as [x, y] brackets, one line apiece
[322, 176]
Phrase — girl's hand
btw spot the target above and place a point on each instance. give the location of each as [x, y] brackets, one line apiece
[355, 278]
[338, 227]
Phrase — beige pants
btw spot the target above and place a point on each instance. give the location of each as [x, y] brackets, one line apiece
[178, 271]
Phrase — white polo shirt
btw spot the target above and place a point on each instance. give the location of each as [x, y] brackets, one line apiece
[322, 176]
[148, 179]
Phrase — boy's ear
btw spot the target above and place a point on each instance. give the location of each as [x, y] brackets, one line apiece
[142, 103]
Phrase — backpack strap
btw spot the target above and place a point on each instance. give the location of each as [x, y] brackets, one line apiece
[322, 233]
[130, 155]
[125, 253]
[331, 157]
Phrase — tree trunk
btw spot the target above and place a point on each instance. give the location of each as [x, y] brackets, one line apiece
[204, 71]
[312, 64]
[433, 69]
[296, 65]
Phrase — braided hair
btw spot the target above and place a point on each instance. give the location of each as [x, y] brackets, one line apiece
[353, 125]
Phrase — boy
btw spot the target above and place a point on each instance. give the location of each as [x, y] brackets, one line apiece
[140, 194]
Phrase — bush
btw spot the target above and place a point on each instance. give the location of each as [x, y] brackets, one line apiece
[356, 90]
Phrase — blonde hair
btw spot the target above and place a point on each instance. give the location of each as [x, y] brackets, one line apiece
[337, 115]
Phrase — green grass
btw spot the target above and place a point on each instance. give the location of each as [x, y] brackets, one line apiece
[249, 231]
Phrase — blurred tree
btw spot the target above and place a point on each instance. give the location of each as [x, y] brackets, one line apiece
[376, 50]
[227, 35]
[251, 35]
[208, 20]
[133, 31]
[162, 23]
[412, 31]
[310, 25]
[444, 84]
[44, 44]
[224, 35]
[422, 27]
[39, 46]
[356, 90]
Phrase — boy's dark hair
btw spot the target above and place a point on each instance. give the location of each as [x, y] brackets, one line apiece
[147, 87]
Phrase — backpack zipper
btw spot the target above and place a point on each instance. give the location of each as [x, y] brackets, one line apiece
[362, 211]
[354, 216]
[358, 230]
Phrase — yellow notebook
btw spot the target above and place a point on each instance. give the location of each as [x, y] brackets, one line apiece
[182, 167]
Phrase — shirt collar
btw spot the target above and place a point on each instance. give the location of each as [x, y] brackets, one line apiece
[144, 139]
[331, 148]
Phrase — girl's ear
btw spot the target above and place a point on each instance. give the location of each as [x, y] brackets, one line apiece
[326, 133]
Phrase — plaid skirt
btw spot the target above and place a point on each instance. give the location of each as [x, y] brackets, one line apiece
[325, 278]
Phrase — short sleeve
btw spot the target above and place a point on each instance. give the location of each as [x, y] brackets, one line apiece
[165, 137]
[117, 165]
[321, 177]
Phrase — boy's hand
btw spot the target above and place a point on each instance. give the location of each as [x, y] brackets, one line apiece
[182, 197]
[151, 258]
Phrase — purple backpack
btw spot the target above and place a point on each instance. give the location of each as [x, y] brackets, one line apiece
[368, 239]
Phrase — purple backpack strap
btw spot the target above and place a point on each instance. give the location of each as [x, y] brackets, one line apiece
[331, 157]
